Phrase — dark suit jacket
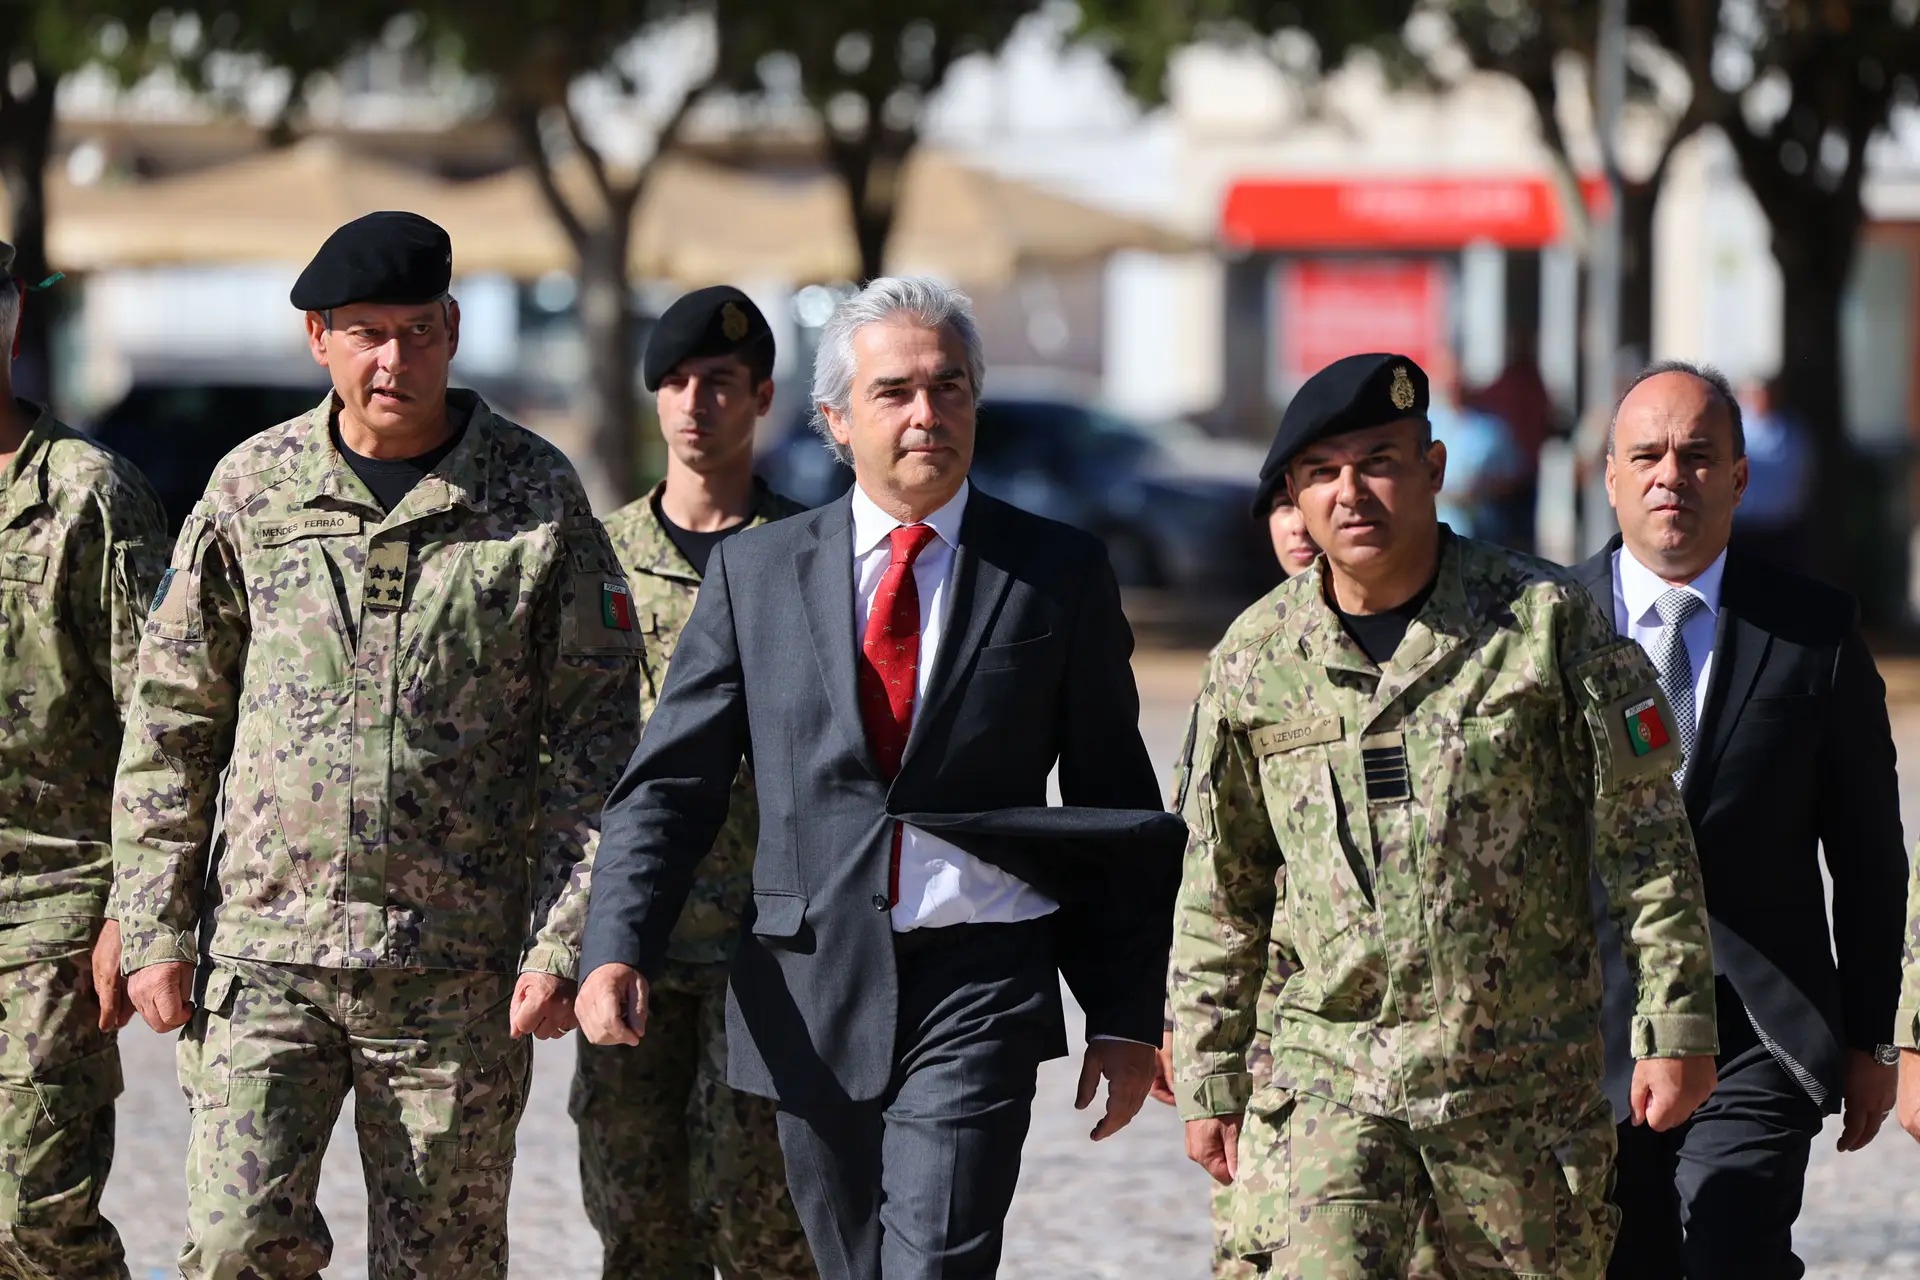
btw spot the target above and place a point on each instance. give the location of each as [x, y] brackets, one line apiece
[1032, 668]
[1794, 753]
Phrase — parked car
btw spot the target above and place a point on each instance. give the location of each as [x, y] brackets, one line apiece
[1170, 503]
[176, 432]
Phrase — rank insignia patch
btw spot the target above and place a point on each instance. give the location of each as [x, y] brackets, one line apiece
[616, 606]
[1646, 731]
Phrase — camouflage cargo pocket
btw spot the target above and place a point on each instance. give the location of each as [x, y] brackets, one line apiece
[1263, 1189]
[491, 1092]
[45, 1154]
[1588, 1220]
[204, 1054]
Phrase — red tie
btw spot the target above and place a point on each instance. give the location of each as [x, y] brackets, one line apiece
[890, 666]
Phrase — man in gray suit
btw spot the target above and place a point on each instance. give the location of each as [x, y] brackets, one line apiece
[903, 668]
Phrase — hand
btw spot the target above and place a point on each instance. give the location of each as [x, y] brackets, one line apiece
[163, 993]
[1128, 1068]
[1162, 1089]
[612, 1005]
[1910, 1092]
[1668, 1090]
[1214, 1145]
[116, 1009]
[542, 1005]
[1868, 1090]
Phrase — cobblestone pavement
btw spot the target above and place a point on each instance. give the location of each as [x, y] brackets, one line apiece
[1131, 1206]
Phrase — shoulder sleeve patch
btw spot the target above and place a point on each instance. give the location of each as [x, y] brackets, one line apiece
[1630, 719]
[176, 613]
[597, 613]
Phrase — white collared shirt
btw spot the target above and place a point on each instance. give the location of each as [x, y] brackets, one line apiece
[1636, 595]
[940, 884]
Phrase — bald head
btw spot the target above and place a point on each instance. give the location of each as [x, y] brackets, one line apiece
[1676, 469]
[1709, 379]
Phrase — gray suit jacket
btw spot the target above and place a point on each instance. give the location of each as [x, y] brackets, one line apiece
[1033, 670]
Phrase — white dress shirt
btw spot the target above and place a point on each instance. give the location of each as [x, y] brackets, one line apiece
[940, 884]
[1636, 595]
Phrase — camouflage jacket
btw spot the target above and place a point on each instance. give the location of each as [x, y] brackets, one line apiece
[418, 714]
[1438, 820]
[82, 543]
[664, 587]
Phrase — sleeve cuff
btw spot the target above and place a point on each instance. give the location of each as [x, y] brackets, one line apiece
[1906, 1027]
[1675, 1035]
[150, 944]
[551, 957]
[1221, 1095]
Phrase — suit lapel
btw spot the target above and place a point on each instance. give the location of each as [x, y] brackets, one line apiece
[1739, 651]
[979, 584]
[824, 569]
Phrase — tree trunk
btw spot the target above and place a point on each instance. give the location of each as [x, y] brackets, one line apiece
[872, 170]
[1637, 201]
[610, 406]
[24, 149]
[1815, 260]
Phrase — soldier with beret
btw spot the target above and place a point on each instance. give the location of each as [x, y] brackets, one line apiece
[682, 1175]
[383, 691]
[1405, 761]
[82, 542]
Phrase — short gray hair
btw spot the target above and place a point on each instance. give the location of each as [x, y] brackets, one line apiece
[927, 301]
[1716, 382]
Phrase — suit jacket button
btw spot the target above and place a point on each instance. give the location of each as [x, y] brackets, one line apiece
[879, 902]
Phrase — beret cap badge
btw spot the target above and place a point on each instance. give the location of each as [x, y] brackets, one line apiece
[1401, 392]
[733, 322]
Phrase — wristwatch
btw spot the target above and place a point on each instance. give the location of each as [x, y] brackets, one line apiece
[1886, 1055]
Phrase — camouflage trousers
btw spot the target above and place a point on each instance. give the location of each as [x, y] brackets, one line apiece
[680, 1174]
[438, 1086]
[59, 1075]
[1327, 1193]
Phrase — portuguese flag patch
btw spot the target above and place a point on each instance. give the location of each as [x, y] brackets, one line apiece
[1645, 729]
[616, 606]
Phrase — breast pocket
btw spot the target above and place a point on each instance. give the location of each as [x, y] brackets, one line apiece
[1310, 820]
[1011, 657]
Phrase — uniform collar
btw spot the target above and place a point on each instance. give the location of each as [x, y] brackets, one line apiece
[461, 479]
[1440, 626]
[653, 552]
[1641, 588]
[871, 525]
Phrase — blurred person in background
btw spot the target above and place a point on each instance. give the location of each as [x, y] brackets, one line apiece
[681, 1174]
[1485, 467]
[82, 544]
[1786, 755]
[395, 634]
[1771, 520]
[1519, 398]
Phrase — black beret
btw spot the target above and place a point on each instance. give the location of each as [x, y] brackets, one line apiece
[383, 257]
[1350, 394]
[717, 321]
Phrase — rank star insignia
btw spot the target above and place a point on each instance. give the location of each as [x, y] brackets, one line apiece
[733, 322]
[1401, 392]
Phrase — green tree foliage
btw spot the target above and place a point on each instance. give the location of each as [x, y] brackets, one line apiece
[867, 68]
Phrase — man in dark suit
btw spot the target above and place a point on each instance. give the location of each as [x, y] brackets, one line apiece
[1787, 751]
[904, 667]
